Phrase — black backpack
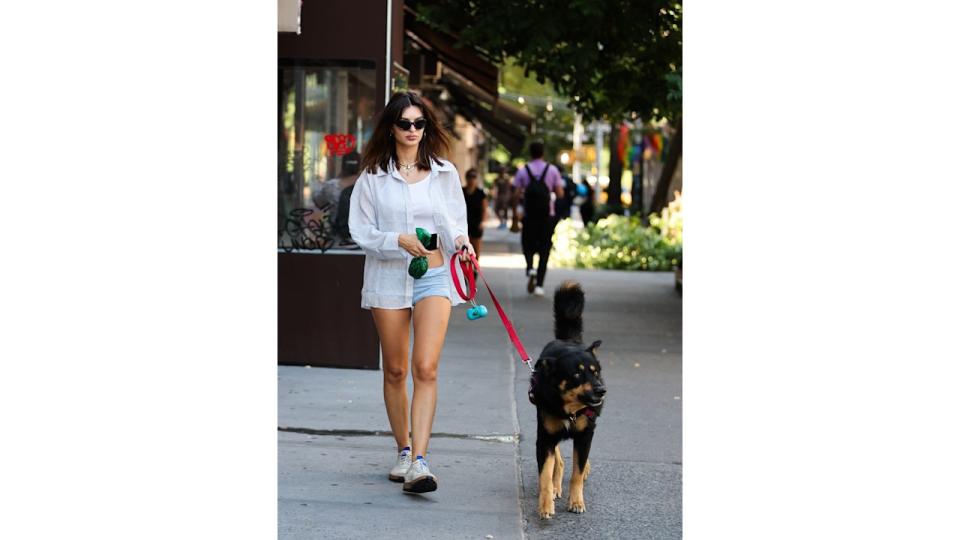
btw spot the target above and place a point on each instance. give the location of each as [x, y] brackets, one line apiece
[536, 198]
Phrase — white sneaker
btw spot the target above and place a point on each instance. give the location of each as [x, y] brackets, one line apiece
[531, 272]
[419, 479]
[404, 459]
[538, 291]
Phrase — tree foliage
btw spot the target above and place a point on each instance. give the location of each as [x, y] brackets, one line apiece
[611, 57]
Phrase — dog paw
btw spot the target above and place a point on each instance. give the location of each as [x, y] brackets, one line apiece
[577, 507]
[547, 510]
[557, 492]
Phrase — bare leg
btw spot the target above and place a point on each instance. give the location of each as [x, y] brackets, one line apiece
[430, 318]
[393, 326]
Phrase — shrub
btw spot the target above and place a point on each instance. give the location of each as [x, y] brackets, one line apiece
[623, 243]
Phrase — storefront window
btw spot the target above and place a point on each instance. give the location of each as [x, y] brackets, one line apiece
[325, 119]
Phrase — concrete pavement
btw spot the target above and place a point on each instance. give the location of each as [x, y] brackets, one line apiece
[335, 446]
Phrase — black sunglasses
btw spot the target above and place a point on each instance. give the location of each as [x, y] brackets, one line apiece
[405, 124]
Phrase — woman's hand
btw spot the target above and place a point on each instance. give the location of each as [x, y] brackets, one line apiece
[412, 245]
[462, 241]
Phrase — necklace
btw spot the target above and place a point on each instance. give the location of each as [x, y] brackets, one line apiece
[407, 168]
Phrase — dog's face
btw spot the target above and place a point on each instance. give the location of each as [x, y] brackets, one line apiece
[574, 375]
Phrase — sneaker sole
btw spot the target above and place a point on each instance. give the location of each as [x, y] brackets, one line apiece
[422, 485]
[395, 478]
[531, 284]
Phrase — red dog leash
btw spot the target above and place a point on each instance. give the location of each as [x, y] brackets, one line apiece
[472, 285]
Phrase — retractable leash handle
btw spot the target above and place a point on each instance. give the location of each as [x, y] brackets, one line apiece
[473, 291]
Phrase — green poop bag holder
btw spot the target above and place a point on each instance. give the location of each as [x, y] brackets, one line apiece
[418, 266]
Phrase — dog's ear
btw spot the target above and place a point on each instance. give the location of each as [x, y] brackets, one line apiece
[545, 364]
[592, 349]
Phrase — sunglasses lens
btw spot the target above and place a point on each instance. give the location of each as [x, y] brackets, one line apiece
[405, 124]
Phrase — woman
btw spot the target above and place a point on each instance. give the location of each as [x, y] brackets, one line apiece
[404, 185]
[503, 192]
[476, 200]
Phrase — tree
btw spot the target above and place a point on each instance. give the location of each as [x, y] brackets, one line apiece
[659, 201]
[610, 57]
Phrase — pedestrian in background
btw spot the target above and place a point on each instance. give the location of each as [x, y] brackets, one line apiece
[476, 200]
[586, 207]
[564, 204]
[405, 184]
[502, 193]
[539, 183]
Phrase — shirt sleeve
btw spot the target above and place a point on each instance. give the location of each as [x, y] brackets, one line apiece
[363, 224]
[456, 204]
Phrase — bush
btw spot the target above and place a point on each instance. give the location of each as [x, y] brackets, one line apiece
[623, 243]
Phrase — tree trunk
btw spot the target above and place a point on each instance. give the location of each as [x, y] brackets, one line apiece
[673, 158]
[614, 188]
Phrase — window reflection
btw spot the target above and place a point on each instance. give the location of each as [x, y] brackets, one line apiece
[325, 117]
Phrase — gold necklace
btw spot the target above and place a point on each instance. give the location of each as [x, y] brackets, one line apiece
[405, 169]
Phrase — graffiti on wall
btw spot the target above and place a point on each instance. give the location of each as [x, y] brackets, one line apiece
[307, 228]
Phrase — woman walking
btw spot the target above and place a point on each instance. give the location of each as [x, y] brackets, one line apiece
[476, 200]
[406, 185]
[503, 192]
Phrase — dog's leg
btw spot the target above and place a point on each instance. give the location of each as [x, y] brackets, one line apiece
[557, 473]
[586, 471]
[545, 463]
[581, 466]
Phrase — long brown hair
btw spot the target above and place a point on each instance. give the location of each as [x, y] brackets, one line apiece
[381, 148]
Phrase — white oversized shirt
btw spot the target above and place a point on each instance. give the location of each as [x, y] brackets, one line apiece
[381, 210]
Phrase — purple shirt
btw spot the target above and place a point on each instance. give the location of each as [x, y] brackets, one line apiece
[552, 178]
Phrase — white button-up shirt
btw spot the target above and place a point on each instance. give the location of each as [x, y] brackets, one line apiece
[380, 210]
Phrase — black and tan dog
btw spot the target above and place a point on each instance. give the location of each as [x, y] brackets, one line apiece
[568, 391]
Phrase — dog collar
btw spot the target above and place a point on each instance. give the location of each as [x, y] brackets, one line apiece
[571, 420]
[586, 411]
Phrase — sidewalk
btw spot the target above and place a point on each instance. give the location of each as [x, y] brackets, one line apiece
[335, 445]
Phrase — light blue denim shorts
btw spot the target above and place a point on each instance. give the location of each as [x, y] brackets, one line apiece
[434, 283]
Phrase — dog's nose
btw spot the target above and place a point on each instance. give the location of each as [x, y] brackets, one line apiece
[600, 390]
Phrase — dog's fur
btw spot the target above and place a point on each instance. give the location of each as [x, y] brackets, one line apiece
[568, 391]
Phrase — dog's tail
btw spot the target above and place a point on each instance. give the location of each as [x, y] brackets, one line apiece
[568, 311]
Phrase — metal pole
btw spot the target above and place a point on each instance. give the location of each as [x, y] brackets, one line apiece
[388, 67]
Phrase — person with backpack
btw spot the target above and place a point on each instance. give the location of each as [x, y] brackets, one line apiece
[536, 183]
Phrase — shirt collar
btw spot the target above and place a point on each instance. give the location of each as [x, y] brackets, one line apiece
[444, 166]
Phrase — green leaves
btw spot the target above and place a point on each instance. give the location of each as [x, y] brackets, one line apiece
[615, 242]
[641, 40]
[623, 243]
